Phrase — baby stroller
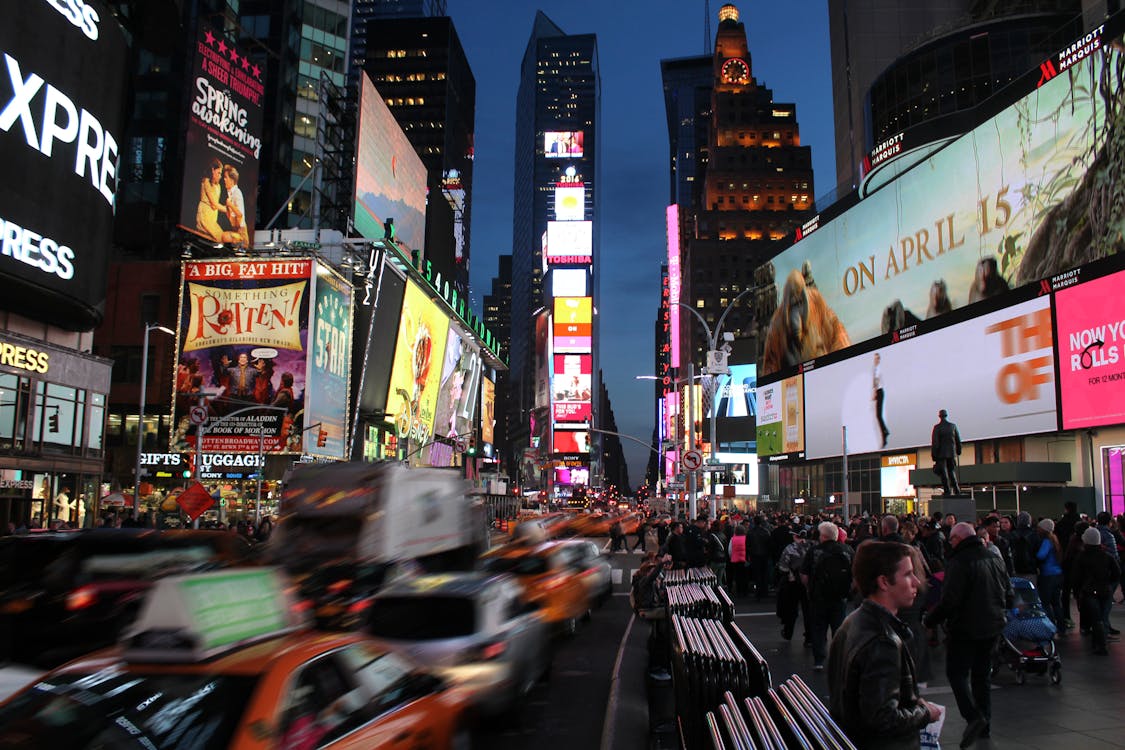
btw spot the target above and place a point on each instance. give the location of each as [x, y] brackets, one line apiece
[1027, 644]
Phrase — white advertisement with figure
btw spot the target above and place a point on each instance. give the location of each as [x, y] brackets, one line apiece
[995, 374]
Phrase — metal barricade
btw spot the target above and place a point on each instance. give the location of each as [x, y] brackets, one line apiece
[790, 716]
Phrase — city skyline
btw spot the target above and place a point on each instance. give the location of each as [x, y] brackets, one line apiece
[632, 40]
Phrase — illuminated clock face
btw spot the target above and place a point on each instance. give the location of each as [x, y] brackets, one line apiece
[736, 70]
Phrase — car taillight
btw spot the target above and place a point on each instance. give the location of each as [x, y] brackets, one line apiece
[553, 583]
[302, 605]
[493, 650]
[81, 598]
[359, 605]
[339, 586]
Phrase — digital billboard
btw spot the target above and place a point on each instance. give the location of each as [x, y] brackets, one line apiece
[1090, 320]
[894, 475]
[569, 241]
[572, 383]
[573, 324]
[377, 327]
[734, 392]
[330, 350]
[569, 282]
[1004, 205]
[390, 179]
[781, 422]
[542, 361]
[416, 373]
[224, 141]
[62, 116]
[572, 441]
[570, 203]
[488, 410]
[1001, 383]
[559, 144]
[457, 398]
[243, 341]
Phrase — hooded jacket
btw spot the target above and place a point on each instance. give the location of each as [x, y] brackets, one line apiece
[874, 695]
[975, 593]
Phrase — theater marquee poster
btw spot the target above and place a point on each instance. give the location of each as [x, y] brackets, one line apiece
[242, 343]
[224, 142]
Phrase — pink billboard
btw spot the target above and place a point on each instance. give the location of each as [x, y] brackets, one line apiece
[1090, 319]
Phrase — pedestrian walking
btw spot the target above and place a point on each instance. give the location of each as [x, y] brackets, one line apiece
[976, 592]
[791, 594]
[715, 543]
[1049, 555]
[1095, 574]
[873, 686]
[758, 542]
[736, 564]
[827, 574]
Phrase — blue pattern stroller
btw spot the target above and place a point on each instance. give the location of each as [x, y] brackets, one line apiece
[1027, 644]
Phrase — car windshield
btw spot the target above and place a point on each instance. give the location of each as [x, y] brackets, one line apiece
[422, 618]
[115, 710]
[526, 565]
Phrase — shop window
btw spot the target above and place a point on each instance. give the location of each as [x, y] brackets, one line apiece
[97, 424]
[60, 413]
[14, 392]
[115, 430]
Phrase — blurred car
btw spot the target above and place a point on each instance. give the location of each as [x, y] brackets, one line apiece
[550, 576]
[65, 594]
[223, 668]
[593, 567]
[474, 629]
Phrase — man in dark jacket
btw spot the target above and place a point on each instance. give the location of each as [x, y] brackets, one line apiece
[975, 594]
[945, 447]
[759, 548]
[1093, 577]
[871, 675]
[826, 598]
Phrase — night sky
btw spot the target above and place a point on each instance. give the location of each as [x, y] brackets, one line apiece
[790, 53]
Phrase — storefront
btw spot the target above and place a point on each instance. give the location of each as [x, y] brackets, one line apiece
[51, 432]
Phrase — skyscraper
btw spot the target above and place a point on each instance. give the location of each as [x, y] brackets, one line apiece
[368, 10]
[419, 68]
[498, 319]
[555, 248]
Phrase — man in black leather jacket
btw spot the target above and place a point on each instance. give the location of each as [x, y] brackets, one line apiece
[974, 596]
[871, 675]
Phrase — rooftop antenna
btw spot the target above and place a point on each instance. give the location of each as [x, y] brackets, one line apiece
[707, 26]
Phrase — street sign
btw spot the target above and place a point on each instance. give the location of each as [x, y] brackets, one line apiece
[198, 415]
[715, 467]
[692, 460]
[194, 500]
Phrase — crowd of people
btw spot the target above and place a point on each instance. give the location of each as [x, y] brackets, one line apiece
[894, 589]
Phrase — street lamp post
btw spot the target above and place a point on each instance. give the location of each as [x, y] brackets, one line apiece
[141, 418]
[689, 424]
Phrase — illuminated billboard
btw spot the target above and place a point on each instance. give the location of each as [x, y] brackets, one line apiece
[1090, 320]
[734, 393]
[330, 350]
[416, 373]
[894, 475]
[223, 142]
[569, 282]
[243, 341]
[672, 234]
[457, 398]
[781, 423]
[390, 179]
[572, 441]
[1003, 384]
[572, 324]
[570, 203]
[569, 241]
[488, 410]
[559, 144]
[572, 383]
[1002, 206]
[62, 98]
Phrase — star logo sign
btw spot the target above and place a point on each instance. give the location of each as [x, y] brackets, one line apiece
[257, 72]
[222, 47]
[209, 39]
[233, 55]
[245, 63]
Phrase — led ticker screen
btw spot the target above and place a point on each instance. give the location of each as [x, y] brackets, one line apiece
[781, 425]
[1090, 319]
[572, 441]
[572, 385]
[1003, 384]
[570, 241]
[570, 203]
[997, 208]
[561, 144]
[572, 324]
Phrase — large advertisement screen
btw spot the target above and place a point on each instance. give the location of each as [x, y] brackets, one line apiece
[558, 144]
[326, 402]
[457, 398]
[781, 422]
[243, 342]
[570, 203]
[1090, 319]
[1005, 205]
[390, 179]
[416, 373]
[733, 404]
[61, 124]
[572, 382]
[224, 141]
[573, 324]
[572, 441]
[1000, 383]
[570, 241]
[488, 410]
[376, 340]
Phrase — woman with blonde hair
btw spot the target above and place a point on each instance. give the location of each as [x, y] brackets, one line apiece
[207, 213]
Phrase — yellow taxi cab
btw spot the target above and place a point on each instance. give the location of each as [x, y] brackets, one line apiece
[219, 661]
[552, 577]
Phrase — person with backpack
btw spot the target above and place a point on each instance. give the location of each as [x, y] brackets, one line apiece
[716, 545]
[1095, 574]
[1023, 544]
[827, 575]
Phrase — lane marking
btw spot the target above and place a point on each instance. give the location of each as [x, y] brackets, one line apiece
[610, 726]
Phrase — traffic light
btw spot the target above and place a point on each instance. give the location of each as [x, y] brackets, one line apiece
[189, 470]
[389, 229]
[321, 438]
[53, 422]
[472, 450]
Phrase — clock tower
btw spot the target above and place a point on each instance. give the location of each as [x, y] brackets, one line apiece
[732, 56]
